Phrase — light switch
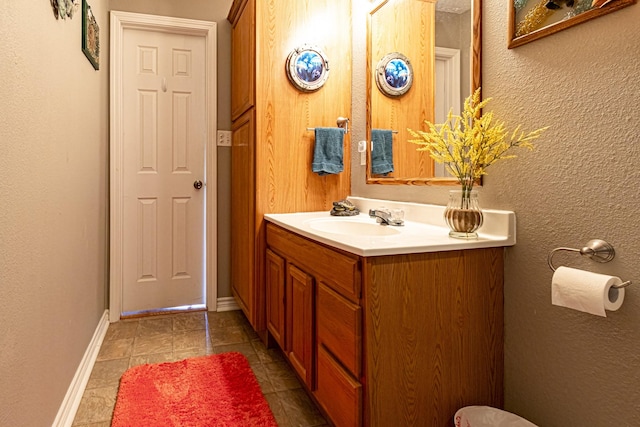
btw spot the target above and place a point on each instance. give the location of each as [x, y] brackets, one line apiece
[224, 138]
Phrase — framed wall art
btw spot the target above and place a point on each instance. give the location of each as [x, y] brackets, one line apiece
[307, 68]
[63, 9]
[530, 20]
[90, 36]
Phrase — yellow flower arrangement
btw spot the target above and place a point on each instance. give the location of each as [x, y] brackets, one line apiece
[467, 145]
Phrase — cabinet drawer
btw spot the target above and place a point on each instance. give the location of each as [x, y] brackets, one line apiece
[340, 328]
[338, 393]
[337, 269]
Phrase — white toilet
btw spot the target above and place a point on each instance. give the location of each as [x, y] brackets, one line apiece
[486, 416]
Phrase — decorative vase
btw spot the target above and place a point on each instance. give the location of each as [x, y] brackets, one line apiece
[463, 214]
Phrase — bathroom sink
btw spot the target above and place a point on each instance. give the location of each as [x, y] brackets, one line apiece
[351, 226]
[424, 229]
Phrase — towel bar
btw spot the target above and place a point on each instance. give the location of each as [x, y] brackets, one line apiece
[342, 122]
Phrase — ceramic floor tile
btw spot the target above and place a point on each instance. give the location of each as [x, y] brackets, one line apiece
[150, 358]
[190, 321]
[263, 379]
[253, 335]
[96, 405]
[241, 318]
[281, 376]
[107, 373]
[101, 424]
[160, 343]
[267, 355]
[189, 340]
[228, 335]
[225, 319]
[121, 330]
[194, 352]
[155, 326]
[300, 410]
[244, 348]
[115, 349]
[278, 410]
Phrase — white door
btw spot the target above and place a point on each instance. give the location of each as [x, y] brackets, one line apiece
[164, 132]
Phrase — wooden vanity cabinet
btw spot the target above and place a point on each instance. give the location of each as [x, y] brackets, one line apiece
[401, 340]
[323, 328]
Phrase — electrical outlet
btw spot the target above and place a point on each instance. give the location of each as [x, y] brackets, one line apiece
[224, 138]
[362, 149]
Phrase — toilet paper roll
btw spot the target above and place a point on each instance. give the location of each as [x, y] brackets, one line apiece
[585, 291]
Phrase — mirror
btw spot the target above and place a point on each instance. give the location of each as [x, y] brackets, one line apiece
[439, 42]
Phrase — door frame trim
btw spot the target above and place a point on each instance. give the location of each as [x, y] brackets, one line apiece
[451, 61]
[121, 21]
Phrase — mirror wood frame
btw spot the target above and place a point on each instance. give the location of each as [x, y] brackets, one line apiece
[475, 81]
[515, 41]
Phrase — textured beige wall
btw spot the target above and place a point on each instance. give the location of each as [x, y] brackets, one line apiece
[563, 367]
[53, 206]
[216, 11]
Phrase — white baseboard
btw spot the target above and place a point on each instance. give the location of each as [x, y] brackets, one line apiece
[227, 304]
[71, 402]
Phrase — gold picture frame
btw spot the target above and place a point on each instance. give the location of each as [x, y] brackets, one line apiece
[90, 36]
[530, 20]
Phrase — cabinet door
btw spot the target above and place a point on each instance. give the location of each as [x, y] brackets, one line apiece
[275, 284]
[300, 322]
[243, 258]
[243, 52]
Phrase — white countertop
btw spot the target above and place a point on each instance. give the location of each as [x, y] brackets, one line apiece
[424, 229]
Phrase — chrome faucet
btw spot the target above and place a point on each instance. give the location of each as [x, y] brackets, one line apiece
[384, 217]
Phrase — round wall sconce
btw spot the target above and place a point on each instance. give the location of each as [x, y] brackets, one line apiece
[394, 74]
[307, 68]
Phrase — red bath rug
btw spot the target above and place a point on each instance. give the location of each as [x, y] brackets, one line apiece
[217, 390]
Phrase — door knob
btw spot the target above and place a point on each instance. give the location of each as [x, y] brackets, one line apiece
[197, 184]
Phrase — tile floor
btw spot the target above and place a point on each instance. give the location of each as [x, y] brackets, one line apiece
[174, 337]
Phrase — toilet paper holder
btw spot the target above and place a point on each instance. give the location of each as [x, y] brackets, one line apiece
[597, 250]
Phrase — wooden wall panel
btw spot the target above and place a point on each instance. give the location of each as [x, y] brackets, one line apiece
[284, 145]
[275, 175]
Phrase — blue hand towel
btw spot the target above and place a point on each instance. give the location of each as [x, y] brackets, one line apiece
[381, 151]
[327, 151]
